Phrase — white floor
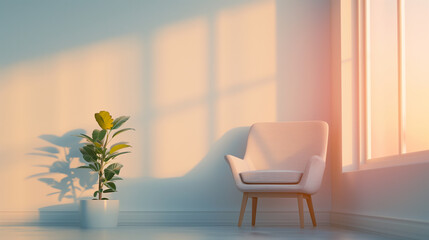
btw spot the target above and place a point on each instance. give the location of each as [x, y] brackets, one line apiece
[184, 232]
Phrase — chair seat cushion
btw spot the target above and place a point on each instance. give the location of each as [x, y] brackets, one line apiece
[271, 177]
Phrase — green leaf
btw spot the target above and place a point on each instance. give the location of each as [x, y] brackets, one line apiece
[90, 149]
[88, 154]
[88, 158]
[115, 178]
[108, 191]
[116, 167]
[121, 131]
[104, 120]
[83, 151]
[118, 146]
[102, 135]
[95, 134]
[111, 185]
[83, 167]
[112, 156]
[86, 137]
[95, 193]
[109, 174]
[105, 198]
[95, 166]
[98, 136]
[98, 148]
[119, 121]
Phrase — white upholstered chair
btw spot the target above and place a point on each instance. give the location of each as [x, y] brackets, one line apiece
[283, 160]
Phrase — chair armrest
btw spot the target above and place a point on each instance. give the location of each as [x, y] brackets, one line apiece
[313, 174]
[237, 166]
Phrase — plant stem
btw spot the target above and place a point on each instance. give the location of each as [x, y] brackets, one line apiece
[100, 174]
[100, 187]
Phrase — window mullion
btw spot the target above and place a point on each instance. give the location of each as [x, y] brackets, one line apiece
[367, 79]
[401, 77]
[362, 78]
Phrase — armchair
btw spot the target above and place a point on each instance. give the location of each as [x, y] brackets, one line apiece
[282, 160]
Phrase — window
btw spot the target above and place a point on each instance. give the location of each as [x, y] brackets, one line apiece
[385, 82]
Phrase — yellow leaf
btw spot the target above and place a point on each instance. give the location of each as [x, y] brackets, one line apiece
[104, 119]
[118, 146]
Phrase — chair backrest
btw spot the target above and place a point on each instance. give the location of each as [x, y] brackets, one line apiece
[286, 145]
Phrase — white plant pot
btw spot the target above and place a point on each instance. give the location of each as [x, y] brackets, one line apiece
[99, 213]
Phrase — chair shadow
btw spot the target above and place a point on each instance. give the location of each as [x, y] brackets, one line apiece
[62, 155]
[208, 186]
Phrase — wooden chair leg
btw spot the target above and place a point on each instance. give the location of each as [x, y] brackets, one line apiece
[301, 211]
[254, 205]
[310, 208]
[243, 209]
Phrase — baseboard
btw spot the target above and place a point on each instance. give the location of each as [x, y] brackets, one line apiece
[181, 218]
[404, 228]
[219, 218]
[36, 218]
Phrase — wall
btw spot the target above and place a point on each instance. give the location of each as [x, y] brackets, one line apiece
[304, 53]
[191, 74]
[391, 193]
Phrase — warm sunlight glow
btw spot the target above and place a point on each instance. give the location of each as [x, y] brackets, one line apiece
[347, 82]
[246, 65]
[417, 76]
[245, 69]
[180, 63]
[56, 94]
[243, 108]
[180, 142]
[180, 84]
[383, 60]
[246, 45]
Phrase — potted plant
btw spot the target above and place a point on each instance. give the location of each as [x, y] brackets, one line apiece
[100, 154]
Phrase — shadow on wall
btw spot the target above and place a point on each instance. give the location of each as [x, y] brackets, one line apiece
[61, 174]
[208, 183]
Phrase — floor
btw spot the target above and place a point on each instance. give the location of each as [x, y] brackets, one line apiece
[188, 233]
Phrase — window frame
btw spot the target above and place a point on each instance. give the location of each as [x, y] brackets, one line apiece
[360, 97]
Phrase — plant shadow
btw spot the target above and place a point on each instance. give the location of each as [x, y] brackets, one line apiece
[61, 173]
